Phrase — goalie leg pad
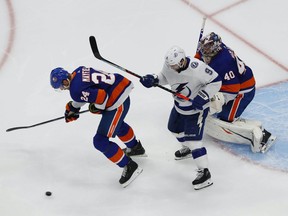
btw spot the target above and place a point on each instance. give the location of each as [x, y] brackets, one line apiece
[236, 132]
[228, 132]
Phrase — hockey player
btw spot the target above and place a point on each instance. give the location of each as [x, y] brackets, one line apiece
[199, 82]
[236, 93]
[107, 95]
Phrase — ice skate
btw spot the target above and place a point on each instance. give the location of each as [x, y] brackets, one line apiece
[137, 150]
[183, 153]
[130, 172]
[203, 179]
[267, 141]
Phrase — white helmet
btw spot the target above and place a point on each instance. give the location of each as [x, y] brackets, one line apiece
[175, 56]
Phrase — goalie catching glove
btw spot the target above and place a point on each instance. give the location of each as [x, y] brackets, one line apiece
[94, 109]
[216, 103]
[71, 113]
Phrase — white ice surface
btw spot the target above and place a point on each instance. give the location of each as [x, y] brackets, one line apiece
[135, 34]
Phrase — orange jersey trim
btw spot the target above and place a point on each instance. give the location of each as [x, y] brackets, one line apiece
[197, 55]
[118, 91]
[248, 84]
[73, 75]
[233, 88]
[101, 95]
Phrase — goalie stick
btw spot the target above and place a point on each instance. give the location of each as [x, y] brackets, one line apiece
[197, 55]
[41, 123]
[201, 31]
[97, 55]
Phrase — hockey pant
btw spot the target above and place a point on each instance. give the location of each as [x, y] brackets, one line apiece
[188, 130]
[234, 108]
[112, 124]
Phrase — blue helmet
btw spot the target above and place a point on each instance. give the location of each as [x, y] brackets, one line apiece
[57, 76]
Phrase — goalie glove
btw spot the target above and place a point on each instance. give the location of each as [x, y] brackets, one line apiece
[216, 103]
[94, 109]
[200, 100]
[71, 113]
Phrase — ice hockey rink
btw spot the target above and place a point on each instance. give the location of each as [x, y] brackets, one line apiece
[37, 36]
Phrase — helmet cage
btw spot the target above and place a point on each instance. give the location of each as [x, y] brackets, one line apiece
[210, 45]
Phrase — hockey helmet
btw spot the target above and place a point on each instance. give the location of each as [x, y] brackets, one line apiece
[175, 57]
[57, 76]
[210, 45]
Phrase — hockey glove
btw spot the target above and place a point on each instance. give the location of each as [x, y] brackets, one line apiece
[71, 113]
[149, 80]
[94, 110]
[200, 100]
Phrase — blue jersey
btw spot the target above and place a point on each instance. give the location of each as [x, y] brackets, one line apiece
[107, 90]
[237, 78]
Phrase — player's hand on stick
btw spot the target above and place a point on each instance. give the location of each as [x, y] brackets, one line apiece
[149, 80]
[94, 109]
[200, 100]
[71, 113]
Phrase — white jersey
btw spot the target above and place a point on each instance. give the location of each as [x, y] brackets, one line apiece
[196, 77]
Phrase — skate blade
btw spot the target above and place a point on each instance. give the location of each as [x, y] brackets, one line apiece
[269, 144]
[182, 158]
[142, 155]
[137, 172]
[203, 185]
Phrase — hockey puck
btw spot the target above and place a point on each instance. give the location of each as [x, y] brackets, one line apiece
[48, 193]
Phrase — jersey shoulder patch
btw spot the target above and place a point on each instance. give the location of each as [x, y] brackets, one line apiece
[194, 64]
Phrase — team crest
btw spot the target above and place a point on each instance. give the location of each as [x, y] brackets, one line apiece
[182, 88]
[54, 79]
[194, 64]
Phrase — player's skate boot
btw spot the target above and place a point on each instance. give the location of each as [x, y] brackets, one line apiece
[130, 172]
[137, 150]
[203, 179]
[183, 153]
[267, 141]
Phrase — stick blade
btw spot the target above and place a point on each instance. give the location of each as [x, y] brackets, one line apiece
[94, 47]
[16, 128]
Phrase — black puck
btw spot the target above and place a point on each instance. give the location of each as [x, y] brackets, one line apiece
[48, 193]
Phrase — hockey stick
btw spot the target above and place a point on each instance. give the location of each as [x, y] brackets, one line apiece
[201, 32]
[202, 28]
[41, 123]
[96, 53]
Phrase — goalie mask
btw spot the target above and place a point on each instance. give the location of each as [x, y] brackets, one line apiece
[175, 58]
[57, 77]
[210, 45]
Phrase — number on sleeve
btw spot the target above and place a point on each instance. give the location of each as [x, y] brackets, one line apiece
[230, 75]
[240, 65]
